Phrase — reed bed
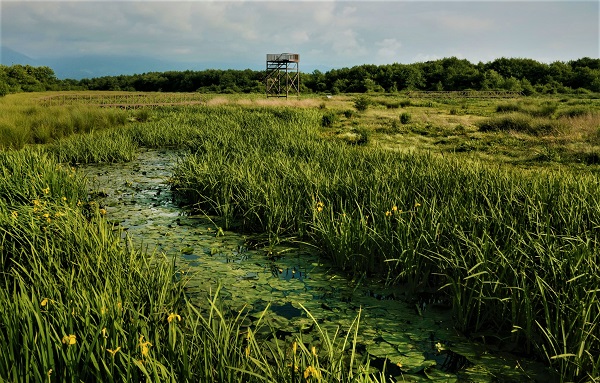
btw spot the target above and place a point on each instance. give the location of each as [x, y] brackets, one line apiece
[78, 304]
[27, 123]
[515, 253]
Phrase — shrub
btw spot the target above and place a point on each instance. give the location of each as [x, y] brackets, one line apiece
[363, 136]
[515, 122]
[511, 107]
[361, 103]
[329, 119]
[518, 122]
[546, 110]
[142, 115]
[348, 113]
[575, 112]
[405, 118]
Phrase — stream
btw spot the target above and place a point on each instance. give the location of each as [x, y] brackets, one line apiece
[417, 342]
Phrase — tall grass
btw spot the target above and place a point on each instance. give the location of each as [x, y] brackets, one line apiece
[516, 253]
[509, 249]
[80, 305]
[24, 122]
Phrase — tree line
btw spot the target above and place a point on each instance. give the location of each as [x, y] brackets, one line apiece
[514, 74]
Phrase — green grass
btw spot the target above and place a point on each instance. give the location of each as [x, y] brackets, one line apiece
[515, 252]
[23, 121]
[505, 247]
[80, 305]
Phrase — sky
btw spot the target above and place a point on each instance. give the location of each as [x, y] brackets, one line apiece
[326, 34]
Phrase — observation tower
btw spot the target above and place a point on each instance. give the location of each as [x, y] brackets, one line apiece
[283, 75]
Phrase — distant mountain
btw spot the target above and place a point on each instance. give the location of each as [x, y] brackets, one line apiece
[98, 66]
[10, 56]
[91, 66]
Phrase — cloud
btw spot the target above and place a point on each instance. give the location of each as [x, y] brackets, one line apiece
[388, 50]
[333, 33]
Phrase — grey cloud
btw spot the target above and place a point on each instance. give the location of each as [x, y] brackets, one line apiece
[334, 33]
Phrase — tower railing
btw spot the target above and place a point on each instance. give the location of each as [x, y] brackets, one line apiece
[283, 75]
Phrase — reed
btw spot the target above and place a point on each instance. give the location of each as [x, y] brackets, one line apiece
[506, 247]
[81, 305]
[24, 122]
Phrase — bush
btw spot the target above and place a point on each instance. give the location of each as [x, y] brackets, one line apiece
[511, 107]
[363, 136]
[575, 112]
[142, 115]
[329, 119]
[518, 122]
[361, 103]
[405, 103]
[405, 118]
[348, 113]
[546, 110]
[515, 122]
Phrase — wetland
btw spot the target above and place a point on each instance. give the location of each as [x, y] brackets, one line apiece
[248, 240]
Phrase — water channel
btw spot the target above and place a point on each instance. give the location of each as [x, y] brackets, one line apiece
[416, 341]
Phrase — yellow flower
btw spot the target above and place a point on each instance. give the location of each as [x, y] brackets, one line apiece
[417, 204]
[144, 346]
[44, 302]
[319, 209]
[388, 213]
[14, 214]
[46, 190]
[104, 332]
[64, 199]
[311, 371]
[113, 352]
[173, 316]
[394, 208]
[36, 202]
[69, 339]
[47, 215]
[102, 211]
[78, 203]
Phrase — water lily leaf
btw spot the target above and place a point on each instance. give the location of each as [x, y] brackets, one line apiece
[400, 341]
[436, 375]
[382, 350]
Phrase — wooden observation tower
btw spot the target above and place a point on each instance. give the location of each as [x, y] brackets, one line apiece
[283, 76]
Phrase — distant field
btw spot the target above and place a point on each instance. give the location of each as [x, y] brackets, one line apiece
[546, 131]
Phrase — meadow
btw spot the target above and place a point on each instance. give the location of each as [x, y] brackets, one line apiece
[490, 206]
